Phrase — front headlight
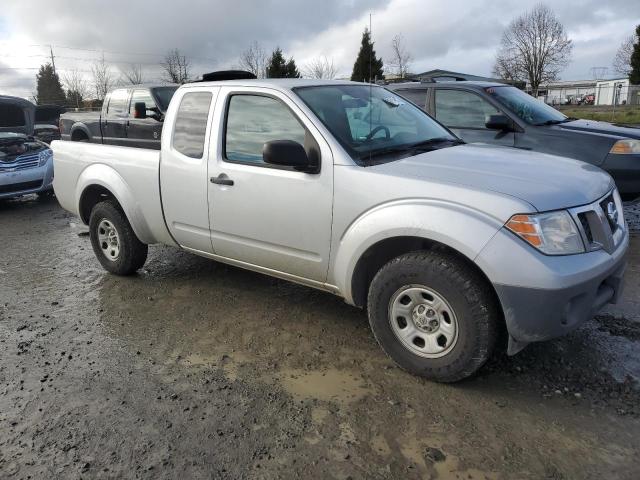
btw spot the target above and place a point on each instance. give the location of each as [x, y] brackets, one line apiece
[626, 147]
[553, 233]
[44, 156]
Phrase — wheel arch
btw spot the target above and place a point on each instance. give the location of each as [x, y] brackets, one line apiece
[393, 230]
[79, 132]
[100, 182]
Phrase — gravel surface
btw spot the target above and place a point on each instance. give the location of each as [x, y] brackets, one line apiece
[194, 369]
[632, 215]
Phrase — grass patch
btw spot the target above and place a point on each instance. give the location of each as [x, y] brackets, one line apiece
[623, 115]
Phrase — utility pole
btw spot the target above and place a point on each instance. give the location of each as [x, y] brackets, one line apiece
[53, 62]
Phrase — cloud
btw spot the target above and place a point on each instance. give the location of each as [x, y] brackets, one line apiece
[450, 34]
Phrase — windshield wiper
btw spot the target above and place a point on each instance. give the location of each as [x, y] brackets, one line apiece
[424, 146]
[555, 122]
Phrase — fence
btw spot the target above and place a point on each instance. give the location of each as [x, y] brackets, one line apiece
[609, 94]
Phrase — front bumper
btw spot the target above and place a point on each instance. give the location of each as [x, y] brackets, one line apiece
[625, 170]
[544, 297]
[23, 182]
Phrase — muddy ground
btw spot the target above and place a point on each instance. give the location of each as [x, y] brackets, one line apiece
[194, 369]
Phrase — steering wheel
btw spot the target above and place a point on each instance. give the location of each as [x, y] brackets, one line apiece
[376, 130]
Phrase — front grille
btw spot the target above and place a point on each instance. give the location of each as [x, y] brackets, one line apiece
[23, 162]
[599, 225]
[584, 221]
[20, 187]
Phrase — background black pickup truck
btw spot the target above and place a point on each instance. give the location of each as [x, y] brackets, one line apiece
[130, 116]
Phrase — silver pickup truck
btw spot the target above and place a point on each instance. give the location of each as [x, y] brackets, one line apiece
[348, 188]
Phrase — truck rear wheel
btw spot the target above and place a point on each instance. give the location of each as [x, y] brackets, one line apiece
[433, 315]
[113, 240]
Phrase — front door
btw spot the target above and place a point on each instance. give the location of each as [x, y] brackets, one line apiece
[272, 217]
[114, 122]
[144, 132]
[465, 114]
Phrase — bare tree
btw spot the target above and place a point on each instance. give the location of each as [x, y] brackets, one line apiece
[132, 74]
[77, 87]
[254, 60]
[622, 60]
[320, 67]
[400, 58]
[534, 47]
[176, 67]
[103, 78]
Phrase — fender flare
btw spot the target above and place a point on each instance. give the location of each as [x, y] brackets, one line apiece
[82, 127]
[457, 226]
[108, 178]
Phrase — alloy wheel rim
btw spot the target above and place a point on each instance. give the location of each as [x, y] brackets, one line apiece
[423, 321]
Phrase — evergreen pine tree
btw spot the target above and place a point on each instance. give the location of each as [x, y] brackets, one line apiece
[278, 67]
[634, 77]
[368, 67]
[49, 89]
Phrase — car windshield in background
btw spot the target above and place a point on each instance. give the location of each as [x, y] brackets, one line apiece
[526, 107]
[373, 124]
[163, 95]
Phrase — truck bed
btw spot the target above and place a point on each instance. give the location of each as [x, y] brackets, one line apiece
[132, 174]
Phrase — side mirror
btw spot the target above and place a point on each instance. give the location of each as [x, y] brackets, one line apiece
[140, 110]
[287, 153]
[498, 122]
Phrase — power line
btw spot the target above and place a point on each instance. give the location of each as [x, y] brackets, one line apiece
[118, 53]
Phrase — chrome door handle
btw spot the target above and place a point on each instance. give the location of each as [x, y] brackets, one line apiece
[222, 179]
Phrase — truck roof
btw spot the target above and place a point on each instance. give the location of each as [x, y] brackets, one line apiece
[278, 83]
[466, 83]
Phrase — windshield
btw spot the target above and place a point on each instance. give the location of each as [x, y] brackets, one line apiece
[525, 106]
[163, 95]
[370, 121]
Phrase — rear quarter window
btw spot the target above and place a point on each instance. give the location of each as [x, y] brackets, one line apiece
[191, 124]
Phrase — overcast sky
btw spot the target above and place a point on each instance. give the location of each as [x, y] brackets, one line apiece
[449, 34]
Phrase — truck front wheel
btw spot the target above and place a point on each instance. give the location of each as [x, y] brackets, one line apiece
[434, 315]
[113, 240]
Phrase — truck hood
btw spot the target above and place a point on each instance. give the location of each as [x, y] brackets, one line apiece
[606, 128]
[17, 115]
[547, 182]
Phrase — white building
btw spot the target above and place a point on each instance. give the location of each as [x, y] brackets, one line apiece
[609, 92]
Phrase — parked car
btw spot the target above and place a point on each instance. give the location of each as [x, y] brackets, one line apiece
[47, 119]
[504, 115]
[130, 117]
[349, 188]
[26, 164]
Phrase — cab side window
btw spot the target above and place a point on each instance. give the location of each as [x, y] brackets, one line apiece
[461, 109]
[142, 96]
[417, 96]
[252, 121]
[191, 124]
[118, 102]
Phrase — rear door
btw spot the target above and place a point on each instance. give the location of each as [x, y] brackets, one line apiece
[465, 113]
[144, 132]
[115, 118]
[183, 167]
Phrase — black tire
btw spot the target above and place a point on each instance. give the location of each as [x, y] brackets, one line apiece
[132, 252]
[466, 292]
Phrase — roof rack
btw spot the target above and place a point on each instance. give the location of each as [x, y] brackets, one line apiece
[226, 75]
